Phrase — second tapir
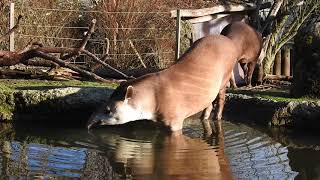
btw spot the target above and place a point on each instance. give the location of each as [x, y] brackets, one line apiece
[249, 44]
[171, 95]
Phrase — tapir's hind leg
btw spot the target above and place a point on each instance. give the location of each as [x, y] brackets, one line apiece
[251, 66]
[232, 81]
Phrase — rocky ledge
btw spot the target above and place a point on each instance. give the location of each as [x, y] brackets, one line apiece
[297, 114]
[62, 103]
[47, 102]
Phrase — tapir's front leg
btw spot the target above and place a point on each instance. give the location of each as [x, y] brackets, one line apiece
[220, 100]
[205, 120]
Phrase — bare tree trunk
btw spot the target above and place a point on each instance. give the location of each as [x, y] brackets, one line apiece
[277, 64]
[273, 13]
[286, 62]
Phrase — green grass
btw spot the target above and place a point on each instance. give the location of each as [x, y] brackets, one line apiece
[289, 99]
[21, 84]
[275, 95]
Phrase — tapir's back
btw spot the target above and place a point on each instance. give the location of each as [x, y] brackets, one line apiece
[206, 63]
[195, 80]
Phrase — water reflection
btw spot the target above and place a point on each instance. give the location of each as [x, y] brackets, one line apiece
[159, 156]
[142, 153]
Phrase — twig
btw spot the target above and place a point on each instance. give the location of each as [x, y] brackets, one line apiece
[106, 55]
[137, 53]
[14, 28]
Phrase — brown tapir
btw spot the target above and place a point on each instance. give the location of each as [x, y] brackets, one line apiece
[171, 95]
[249, 44]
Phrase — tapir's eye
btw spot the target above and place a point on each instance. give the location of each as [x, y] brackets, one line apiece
[108, 110]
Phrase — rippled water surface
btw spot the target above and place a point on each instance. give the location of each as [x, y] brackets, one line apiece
[149, 153]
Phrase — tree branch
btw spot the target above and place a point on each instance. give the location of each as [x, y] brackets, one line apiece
[95, 58]
[76, 51]
[272, 14]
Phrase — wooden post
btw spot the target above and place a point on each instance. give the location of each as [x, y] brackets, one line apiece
[277, 64]
[286, 62]
[11, 19]
[178, 30]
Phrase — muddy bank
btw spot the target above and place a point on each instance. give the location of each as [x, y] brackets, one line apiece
[297, 114]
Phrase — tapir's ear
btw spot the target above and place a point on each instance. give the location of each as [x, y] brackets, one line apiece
[129, 92]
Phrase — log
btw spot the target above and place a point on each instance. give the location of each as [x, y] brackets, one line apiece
[278, 77]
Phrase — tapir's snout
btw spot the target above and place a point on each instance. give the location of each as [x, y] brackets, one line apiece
[91, 124]
[96, 120]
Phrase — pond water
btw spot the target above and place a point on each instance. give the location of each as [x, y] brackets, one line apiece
[145, 152]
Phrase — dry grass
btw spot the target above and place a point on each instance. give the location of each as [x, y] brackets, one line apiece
[155, 44]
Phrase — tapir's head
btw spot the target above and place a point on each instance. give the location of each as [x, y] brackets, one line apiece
[121, 108]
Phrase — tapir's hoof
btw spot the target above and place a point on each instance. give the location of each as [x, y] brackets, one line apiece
[249, 86]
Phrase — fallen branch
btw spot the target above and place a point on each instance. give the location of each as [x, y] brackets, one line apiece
[70, 66]
[36, 49]
[277, 77]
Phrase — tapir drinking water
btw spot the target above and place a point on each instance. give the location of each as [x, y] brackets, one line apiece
[182, 90]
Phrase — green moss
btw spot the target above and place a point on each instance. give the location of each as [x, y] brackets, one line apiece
[7, 105]
[6, 112]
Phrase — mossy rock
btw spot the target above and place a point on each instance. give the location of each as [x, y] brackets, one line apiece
[20, 99]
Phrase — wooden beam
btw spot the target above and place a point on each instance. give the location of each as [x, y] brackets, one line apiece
[219, 9]
[207, 18]
[213, 10]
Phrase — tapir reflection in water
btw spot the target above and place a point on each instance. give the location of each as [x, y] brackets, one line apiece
[160, 156]
[189, 86]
